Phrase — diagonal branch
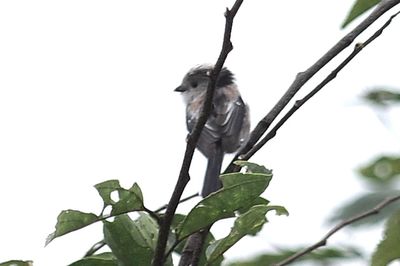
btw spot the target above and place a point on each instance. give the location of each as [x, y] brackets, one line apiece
[303, 77]
[184, 178]
[338, 227]
[180, 201]
[358, 47]
[96, 247]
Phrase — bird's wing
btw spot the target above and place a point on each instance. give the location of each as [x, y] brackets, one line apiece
[223, 126]
[232, 126]
[231, 122]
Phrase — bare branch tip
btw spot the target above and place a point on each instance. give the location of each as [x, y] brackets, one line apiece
[227, 12]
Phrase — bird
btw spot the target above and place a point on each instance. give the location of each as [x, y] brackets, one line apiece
[228, 125]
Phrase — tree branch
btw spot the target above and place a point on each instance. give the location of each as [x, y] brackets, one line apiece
[192, 251]
[303, 77]
[96, 247]
[358, 47]
[153, 215]
[180, 201]
[338, 227]
[184, 178]
[263, 125]
[195, 242]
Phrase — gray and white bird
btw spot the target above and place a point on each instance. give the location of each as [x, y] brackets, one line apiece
[228, 125]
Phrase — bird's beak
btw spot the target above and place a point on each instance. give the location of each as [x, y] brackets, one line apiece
[180, 89]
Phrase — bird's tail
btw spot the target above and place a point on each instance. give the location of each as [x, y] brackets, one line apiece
[211, 180]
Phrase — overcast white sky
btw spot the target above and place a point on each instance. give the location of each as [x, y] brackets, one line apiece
[86, 95]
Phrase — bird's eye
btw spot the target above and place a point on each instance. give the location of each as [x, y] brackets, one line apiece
[194, 84]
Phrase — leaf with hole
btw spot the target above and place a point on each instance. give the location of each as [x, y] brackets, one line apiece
[106, 188]
[129, 200]
[253, 167]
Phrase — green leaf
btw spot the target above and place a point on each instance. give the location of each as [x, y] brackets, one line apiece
[359, 7]
[135, 189]
[382, 170]
[383, 96]
[106, 188]
[178, 218]
[257, 201]
[17, 263]
[71, 220]
[248, 223]
[279, 210]
[388, 249]
[253, 167]
[234, 179]
[130, 200]
[103, 259]
[364, 203]
[203, 256]
[148, 229]
[132, 242]
[239, 190]
[128, 242]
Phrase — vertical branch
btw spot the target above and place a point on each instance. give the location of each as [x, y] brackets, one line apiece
[184, 178]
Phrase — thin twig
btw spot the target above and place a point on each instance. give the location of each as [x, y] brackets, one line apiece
[338, 227]
[358, 47]
[181, 201]
[95, 248]
[153, 215]
[184, 178]
[303, 77]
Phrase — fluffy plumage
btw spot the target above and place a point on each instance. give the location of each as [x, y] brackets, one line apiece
[227, 127]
